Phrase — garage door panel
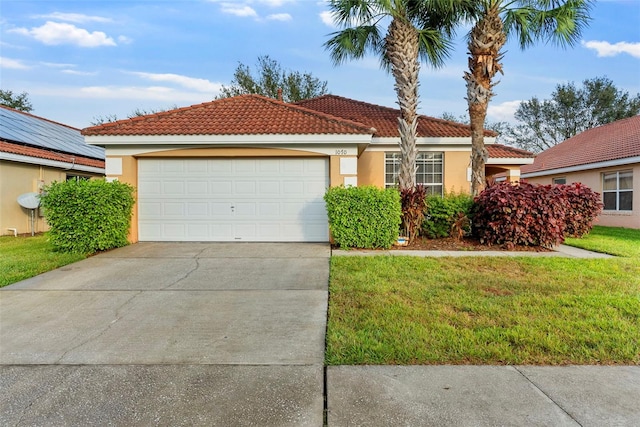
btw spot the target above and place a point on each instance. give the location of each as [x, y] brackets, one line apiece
[233, 199]
[222, 208]
[198, 188]
[173, 187]
[173, 209]
[220, 187]
[245, 188]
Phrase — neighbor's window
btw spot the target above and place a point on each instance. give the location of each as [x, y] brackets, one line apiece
[77, 177]
[617, 191]
[429, 173]
[559, 180]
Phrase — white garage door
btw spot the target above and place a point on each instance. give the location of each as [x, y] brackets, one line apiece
[254, 200]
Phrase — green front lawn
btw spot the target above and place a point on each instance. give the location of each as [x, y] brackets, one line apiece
[23, 257]
[610, 240]
[475, 310]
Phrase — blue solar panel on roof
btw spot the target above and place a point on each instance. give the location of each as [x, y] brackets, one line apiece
[19, 127]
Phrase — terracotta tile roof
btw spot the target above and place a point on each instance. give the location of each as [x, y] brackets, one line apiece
[617, 140]
[42, 153]
[240, 115]
[385, 119]
[499, 151]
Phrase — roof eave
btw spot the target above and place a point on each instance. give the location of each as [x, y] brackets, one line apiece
[114, 140]
[586, 166]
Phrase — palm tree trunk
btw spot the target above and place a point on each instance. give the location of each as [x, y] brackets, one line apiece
[487, 38]
[402, 52]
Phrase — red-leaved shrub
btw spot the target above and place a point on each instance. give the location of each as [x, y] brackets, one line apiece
[584, 208]
[523, 214]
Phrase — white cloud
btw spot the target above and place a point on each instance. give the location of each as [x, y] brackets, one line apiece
[200, 85]
[79, 73]
[504, 111]
[327, 19]
[130, 92]
[275, 3]
[14, 64]
[125, 40]
[57, 65]
[56, 33]
[238, 10]
[279, 17]
[78, 18]
[607, 49]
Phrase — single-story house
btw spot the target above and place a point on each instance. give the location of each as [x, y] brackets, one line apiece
[606, 159]
[35, 152]
[251, 168]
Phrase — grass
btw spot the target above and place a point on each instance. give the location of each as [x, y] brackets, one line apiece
[24, 257]
[610, 240]
[476, 310]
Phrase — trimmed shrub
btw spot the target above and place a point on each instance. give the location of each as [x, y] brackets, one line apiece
[363, 217]
[584, 208]
[413, 204]
[87, 216]
[524, 214]
[442, 213]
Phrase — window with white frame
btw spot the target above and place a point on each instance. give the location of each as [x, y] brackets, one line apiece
[617, 191]
[429, 173]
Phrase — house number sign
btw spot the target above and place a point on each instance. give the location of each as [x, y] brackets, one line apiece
[341, 152]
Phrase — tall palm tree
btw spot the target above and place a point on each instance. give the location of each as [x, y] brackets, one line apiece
[416, 29]
[557, 21]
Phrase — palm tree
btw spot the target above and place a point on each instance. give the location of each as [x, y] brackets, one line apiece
[418, 29]
[557, 21]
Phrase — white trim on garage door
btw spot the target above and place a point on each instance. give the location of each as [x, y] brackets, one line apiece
[233, 199]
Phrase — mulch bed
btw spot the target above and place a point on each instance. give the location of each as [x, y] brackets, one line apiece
[464, 244]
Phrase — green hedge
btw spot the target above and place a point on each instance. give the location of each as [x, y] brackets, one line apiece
[87, 216]
[442, 211]
[363, 217]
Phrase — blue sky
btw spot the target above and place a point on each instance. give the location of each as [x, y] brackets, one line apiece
[82, 59]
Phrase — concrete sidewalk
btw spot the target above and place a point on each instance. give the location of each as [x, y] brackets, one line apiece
[483, 396]
[559, 251]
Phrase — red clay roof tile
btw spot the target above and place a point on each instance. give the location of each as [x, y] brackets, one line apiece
[499, 151]
[41, 153]
[385, 119]
[240, 115]
[617, 140]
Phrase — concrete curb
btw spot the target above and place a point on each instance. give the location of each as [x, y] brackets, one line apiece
[562, 251]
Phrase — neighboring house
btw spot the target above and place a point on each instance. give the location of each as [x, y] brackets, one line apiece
[251, 168]
[35, 152]
[606, 159]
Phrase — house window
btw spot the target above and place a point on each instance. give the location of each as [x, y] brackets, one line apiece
[617, 191]
[77, 177]
[560, 180]
[429, 173]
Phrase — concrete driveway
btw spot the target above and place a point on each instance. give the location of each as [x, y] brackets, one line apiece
[169, 334]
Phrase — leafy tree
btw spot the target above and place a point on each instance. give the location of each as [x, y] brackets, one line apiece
[503, 129]
[271, 78]
[417, 29]
[18, 101]
[558, 21]
[571, 110]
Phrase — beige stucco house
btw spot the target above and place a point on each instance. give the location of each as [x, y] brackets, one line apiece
[35, 152]
[251, 168]
[606, 159]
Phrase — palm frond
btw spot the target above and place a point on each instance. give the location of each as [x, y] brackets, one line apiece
[559, 22]
[354, 43]
[435, 47]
